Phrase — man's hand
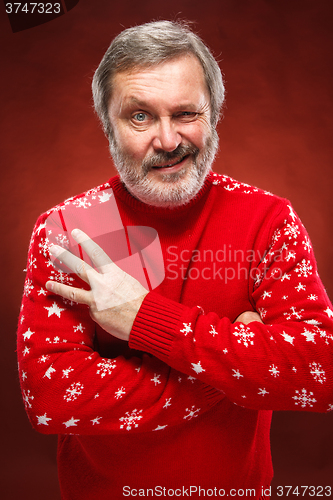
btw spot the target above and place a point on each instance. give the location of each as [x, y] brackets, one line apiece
[247, 317]
[114, 298]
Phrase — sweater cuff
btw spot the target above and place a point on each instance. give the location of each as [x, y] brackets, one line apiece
[155, 324]
[154, 330]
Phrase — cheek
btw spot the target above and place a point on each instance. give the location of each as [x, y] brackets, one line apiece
[131, 143]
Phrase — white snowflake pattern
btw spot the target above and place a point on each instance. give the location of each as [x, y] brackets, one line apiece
[192, 413]
[27, 398]
[304, 398]
[300, 287]
[285, 276]
[292, 231]
[245, 335]
[73, 391]
[212, 331]
[104, 197]
[307, 244]
[66, 372]
[61, 277]
[274, 371]
[119, 393]
[266, 295]
[44, 246]
[293, 313]
[312, 296]
[49, 372]
[82, 203]
[304, 268]
[317, 372]
[187, 329]
[31, 263]
[167, 403]
[156, 379]
[28, 287]
[62, 240]
[43, 358]
[78, 328]
[262, 392]
[290, 256]
[106, 366]
[95, 420]
[130, 419]
[237, 374]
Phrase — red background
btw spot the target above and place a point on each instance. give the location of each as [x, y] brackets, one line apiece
[277, 59]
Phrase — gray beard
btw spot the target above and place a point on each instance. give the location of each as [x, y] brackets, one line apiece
[174, 189]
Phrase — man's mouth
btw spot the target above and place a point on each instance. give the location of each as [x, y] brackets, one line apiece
[171, 164]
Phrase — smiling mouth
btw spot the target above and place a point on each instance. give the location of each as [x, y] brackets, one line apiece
[169, 165]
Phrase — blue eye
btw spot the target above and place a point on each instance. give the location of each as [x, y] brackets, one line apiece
[140, 117]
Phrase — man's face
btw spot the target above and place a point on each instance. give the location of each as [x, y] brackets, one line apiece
[163, 144]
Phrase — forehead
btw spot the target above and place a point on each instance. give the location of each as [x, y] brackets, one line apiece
[179, 81]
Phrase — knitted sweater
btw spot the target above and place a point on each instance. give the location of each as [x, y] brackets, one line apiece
[186, 403]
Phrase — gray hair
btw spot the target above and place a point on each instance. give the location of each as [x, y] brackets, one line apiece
[148, 45]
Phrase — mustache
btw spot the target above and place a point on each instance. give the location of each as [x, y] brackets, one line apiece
[164, 157]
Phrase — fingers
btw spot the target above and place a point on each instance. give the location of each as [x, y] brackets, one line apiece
[67, 292]
[76, 265]
[100, 259]
[247, 317]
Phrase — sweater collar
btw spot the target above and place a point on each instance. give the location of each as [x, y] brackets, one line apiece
[137, 205]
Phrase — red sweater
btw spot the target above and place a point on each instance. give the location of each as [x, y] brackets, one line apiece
[187, 402]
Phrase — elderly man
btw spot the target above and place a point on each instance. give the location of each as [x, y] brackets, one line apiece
[168, 311]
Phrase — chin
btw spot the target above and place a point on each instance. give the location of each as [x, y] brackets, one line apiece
[169, 190]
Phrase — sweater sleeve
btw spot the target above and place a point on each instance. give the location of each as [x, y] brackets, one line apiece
[283, 364]
[68, 387]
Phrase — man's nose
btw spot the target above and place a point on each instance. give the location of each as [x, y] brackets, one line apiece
[166, 138]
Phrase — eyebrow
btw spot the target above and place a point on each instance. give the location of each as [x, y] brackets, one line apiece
[132, 100]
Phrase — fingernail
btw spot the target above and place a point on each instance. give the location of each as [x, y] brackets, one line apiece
[76, 233]
[49, 286]
[55, 250]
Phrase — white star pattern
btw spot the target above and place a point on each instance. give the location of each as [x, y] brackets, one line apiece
[310, 336]
[72, 422]
[160, 428]
[288, 338]
[54, 309]
[43, 420]
[197, 367]
[329, 312]
[28, 334]
[262, 392]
